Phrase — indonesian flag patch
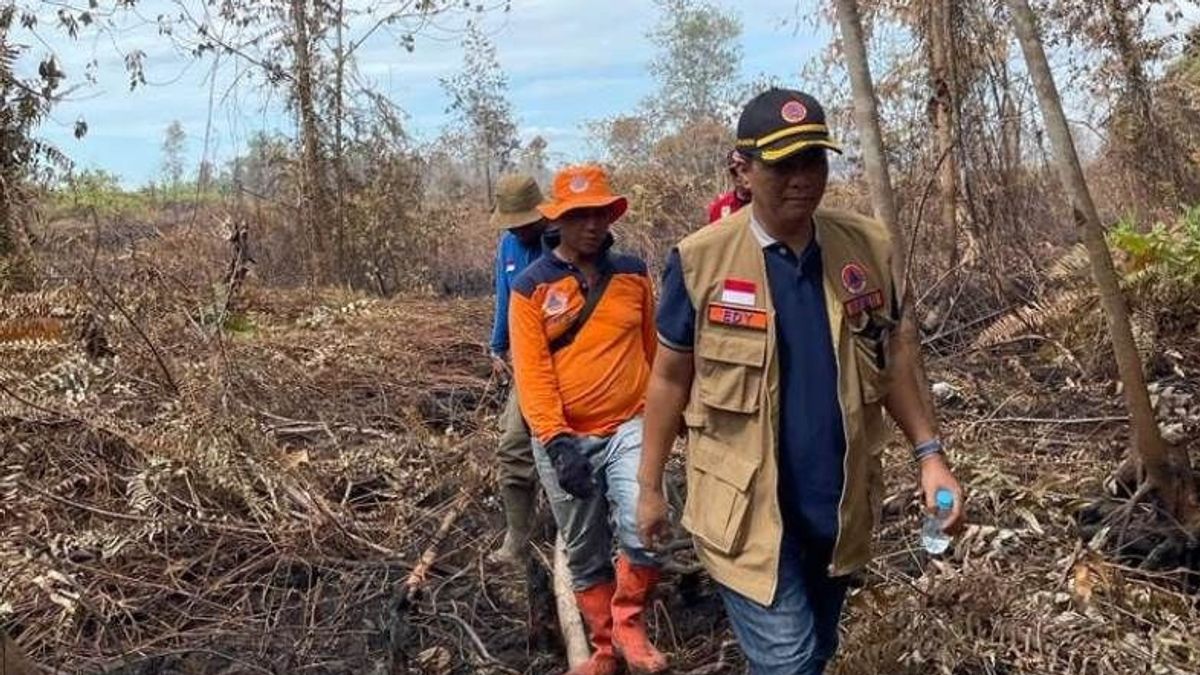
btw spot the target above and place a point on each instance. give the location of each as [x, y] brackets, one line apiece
[739, 292]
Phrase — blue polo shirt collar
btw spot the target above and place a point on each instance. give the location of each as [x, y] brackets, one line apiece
[807, 258]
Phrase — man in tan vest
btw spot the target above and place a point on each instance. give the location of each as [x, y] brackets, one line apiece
[775, 326]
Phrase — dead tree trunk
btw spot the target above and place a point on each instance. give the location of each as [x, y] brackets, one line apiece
[339, 144]
[866, 115]
[1167, 470]
[883, 200]
[569, 620]
[314, 204]
[1143, 129]
[944, 102]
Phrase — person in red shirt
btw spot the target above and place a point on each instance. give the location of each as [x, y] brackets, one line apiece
[729, 202]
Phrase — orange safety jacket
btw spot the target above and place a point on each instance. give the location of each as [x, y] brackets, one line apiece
[598, 381]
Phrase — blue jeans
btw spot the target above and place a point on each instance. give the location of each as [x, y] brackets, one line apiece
[587, 525]
[798, 633]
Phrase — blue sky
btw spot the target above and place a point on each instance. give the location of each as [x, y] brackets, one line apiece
[568, 62]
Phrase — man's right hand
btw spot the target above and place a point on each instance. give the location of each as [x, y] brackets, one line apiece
[574, 471]
[654, 527]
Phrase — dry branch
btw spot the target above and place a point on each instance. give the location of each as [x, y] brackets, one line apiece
[1053, 420]
[569, 620]
[419, 575]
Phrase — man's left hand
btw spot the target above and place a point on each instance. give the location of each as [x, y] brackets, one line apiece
[935, 475]
[500, 367]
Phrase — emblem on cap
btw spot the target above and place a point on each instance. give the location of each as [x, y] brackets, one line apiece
[579, 184]
[854, 277]
[793, 112]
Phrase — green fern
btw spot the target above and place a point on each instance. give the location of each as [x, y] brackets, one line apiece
[1160, 268]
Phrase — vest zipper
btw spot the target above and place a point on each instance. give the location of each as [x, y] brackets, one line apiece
[837, 362]
[837, 540]
[772, 416]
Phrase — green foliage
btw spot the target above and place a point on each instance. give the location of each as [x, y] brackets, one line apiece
[698, 62]
[239, 323]
[1164, 257]
[99, 192]
[479, 99]
[95, 190]
[1160, 275]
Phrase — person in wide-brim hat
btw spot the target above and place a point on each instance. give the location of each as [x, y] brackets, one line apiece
[583, 346]
[517, 199]
[583, 187]
[516, 213]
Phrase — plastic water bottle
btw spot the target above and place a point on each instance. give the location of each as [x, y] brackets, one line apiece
[933, 537]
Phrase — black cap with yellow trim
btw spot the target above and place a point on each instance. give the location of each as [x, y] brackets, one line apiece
[781, 122]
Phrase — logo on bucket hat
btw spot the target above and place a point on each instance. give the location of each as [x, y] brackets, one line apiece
[583, 186]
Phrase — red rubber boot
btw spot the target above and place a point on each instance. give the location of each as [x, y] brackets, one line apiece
[634, 584]
[595, 604]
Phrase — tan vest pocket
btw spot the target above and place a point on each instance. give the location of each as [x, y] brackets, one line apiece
[870, 343]
[719, 486]
[871, 375]
[729, 367]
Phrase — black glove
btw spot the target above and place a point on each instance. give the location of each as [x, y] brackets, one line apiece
[573, 469]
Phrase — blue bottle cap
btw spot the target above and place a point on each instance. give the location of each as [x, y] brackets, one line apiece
[944, 498]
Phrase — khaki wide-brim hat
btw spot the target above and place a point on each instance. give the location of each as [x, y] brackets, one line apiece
[517, 199]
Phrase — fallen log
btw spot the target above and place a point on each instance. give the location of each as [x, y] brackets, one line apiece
[574, 637]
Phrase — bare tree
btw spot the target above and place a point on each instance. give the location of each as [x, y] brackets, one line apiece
[479, 97]
[307, 48]
[944, 101]
[314, 194]
[697, 63]
[1168, 471]
[534, 160]
[882, 197]
[174, 146]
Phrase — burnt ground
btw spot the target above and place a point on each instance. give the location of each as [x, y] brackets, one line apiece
[264, 511]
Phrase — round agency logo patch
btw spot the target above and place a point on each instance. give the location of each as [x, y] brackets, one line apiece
[579, 184]
[793, 112]
[854, 277]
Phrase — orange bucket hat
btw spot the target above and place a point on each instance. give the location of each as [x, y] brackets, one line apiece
[583, 186]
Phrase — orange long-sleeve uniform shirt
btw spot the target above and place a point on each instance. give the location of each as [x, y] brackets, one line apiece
[598, 381]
